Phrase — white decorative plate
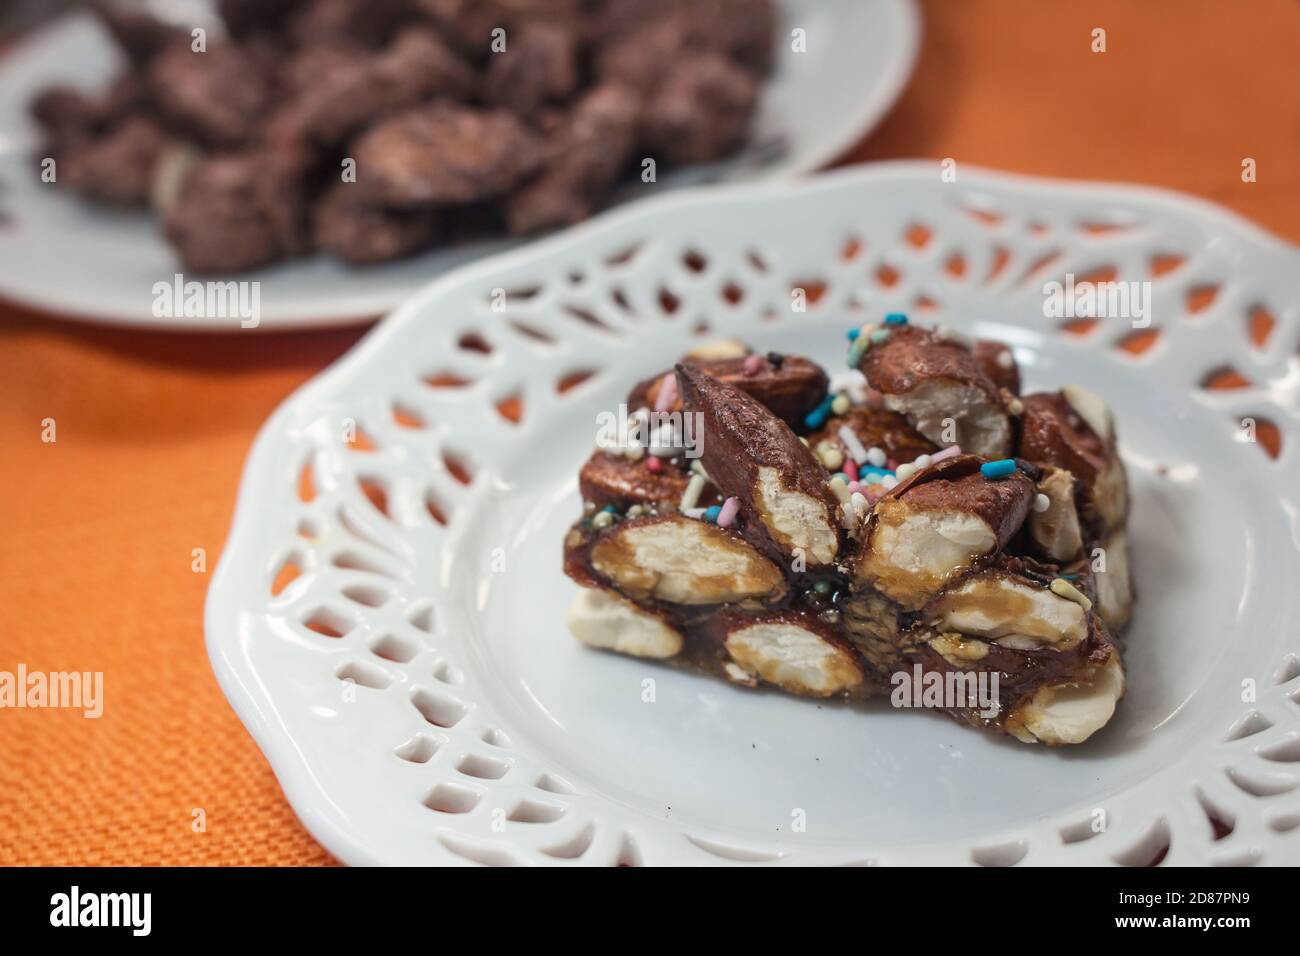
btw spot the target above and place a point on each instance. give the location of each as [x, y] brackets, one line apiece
[60, 254]
[452, 718]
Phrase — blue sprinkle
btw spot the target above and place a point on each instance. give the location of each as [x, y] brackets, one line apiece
[896, 318]
[611, 509]
[711, 514]
[817, 417]
[864, 470]
[853, 334]
[998, 469]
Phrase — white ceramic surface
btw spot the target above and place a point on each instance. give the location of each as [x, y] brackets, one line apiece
[456, 720]
[63, 255]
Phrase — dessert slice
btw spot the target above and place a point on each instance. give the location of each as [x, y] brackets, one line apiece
[835, 540]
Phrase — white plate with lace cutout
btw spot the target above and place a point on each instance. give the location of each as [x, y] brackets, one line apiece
[66, 256]
[387, 617]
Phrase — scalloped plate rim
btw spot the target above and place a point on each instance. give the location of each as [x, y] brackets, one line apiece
[310, 802]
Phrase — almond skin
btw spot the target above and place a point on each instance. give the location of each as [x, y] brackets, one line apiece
[934, 380]
[1052, 433]
[789, 386]
[749, 453]
[609, 479]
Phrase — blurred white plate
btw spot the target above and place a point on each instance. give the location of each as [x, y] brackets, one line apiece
[452, 717]
[63, 255]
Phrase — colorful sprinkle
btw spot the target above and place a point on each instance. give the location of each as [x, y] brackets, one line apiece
[880, 335]
[1065, 589]
[889, 481]
[817, 417]
[922, 461]
[636, 511]
[854, 444]
[610, 509]
[853, 334]
[857, 350]
[753, 365]
[712, 513]
[727, 514]
[905, 471]
[1042, 502]
[654, 464]
[841, 488]
[896, 318]
[854, 486]
[841, 405]
[667, 393]
[602, 520]
[952, 451]
[1002, 468]
[876, 456]
[831, 458]
[694, 488]
[850, 468]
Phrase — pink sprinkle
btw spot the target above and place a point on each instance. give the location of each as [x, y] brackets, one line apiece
[891, 464]
[952, 451]
[728, 513]
[654, 464]
[753, 364]
[854, 486]
[667, 393]
[850, 469]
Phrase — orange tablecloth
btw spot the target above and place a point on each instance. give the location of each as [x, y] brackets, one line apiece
[98, 528]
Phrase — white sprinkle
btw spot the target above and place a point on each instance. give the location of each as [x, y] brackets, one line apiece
[905, 471]
[1005, 360]
[1042, 503]
[691, 495]
[840, 487]
[853, 383]
[697, 513]
[856, 450]
[922, 461]
[697, 468]
[859, 502]
[889, 481]
[876, 456]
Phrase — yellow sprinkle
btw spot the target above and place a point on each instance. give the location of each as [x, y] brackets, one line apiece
[602, 520]
[1065, 589]
[831, 457]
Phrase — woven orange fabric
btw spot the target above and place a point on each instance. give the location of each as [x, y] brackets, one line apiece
[99, 527]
